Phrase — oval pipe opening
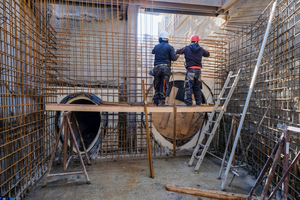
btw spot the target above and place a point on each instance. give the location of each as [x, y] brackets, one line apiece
[165, 134]
[90, 124]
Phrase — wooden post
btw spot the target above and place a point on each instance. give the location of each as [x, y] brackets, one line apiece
[264, 170]
[65, 149]
[72, 137]
[272, 171]
[285, 175]
[174, 135]
[151, 173]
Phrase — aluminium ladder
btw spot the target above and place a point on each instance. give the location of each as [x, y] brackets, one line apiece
[210, 129]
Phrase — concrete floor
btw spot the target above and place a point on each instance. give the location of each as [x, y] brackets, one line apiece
[128, 179]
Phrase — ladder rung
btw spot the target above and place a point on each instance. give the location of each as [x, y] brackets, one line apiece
[213, 121]
[223, 98]
[228, 87]
[197, 157]
[233, 76]
[202, 145]
[218, 110]
[207, 133]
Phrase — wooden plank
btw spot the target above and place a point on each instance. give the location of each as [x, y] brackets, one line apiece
[106, 108]
[65, 174]
[206, 193]
[186, 123]
[96, 108]
[66, 130]
[171, 102]
[196, 108]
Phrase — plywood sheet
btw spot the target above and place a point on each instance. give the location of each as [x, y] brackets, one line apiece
[171, 102]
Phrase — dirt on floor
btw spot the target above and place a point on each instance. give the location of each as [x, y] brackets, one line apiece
[129, 179]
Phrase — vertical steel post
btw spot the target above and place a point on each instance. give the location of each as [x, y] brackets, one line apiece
[249, 93]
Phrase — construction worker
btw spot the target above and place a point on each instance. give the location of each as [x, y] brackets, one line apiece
[164, 54]
[193, 56]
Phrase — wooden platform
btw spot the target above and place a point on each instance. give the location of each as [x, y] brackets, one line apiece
[106, 108]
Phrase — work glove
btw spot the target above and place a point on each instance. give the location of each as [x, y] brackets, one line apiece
[178, 56]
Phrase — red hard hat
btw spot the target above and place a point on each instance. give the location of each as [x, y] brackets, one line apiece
[194, 38]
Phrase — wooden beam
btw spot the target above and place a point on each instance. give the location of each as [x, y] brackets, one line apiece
[151, 173]
[105, 108]
[195, 108]
[206, 193]
[174, 134]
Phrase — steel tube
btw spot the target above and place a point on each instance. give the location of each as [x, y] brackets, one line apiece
[249, 93]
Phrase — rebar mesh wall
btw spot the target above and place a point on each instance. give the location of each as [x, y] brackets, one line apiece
[98, 51]
[25, 129]
[277, 85]
[51, 49]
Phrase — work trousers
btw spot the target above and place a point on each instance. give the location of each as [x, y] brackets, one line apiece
[161, 82]
[193, 85]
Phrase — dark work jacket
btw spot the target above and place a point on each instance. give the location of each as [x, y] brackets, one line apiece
[164, 53]
[193, 54]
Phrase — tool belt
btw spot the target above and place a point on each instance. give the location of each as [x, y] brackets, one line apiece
[161, 65]
[194, 67]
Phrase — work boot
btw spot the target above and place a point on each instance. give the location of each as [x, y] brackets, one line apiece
[163, 104]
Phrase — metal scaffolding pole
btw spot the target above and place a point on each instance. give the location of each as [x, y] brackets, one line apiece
[249, 93]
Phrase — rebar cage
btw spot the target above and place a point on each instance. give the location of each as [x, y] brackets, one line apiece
[55, 51]
[75, 52]
[26, 131]
[277, 86]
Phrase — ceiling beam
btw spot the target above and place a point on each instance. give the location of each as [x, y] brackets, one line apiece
[183, 12]
[228, 4]
[190, 7]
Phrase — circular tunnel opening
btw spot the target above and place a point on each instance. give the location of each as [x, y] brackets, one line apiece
[187, 124]
[89, 124]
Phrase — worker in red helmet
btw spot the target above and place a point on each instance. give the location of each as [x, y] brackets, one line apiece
[193, 54]
[164, 55]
